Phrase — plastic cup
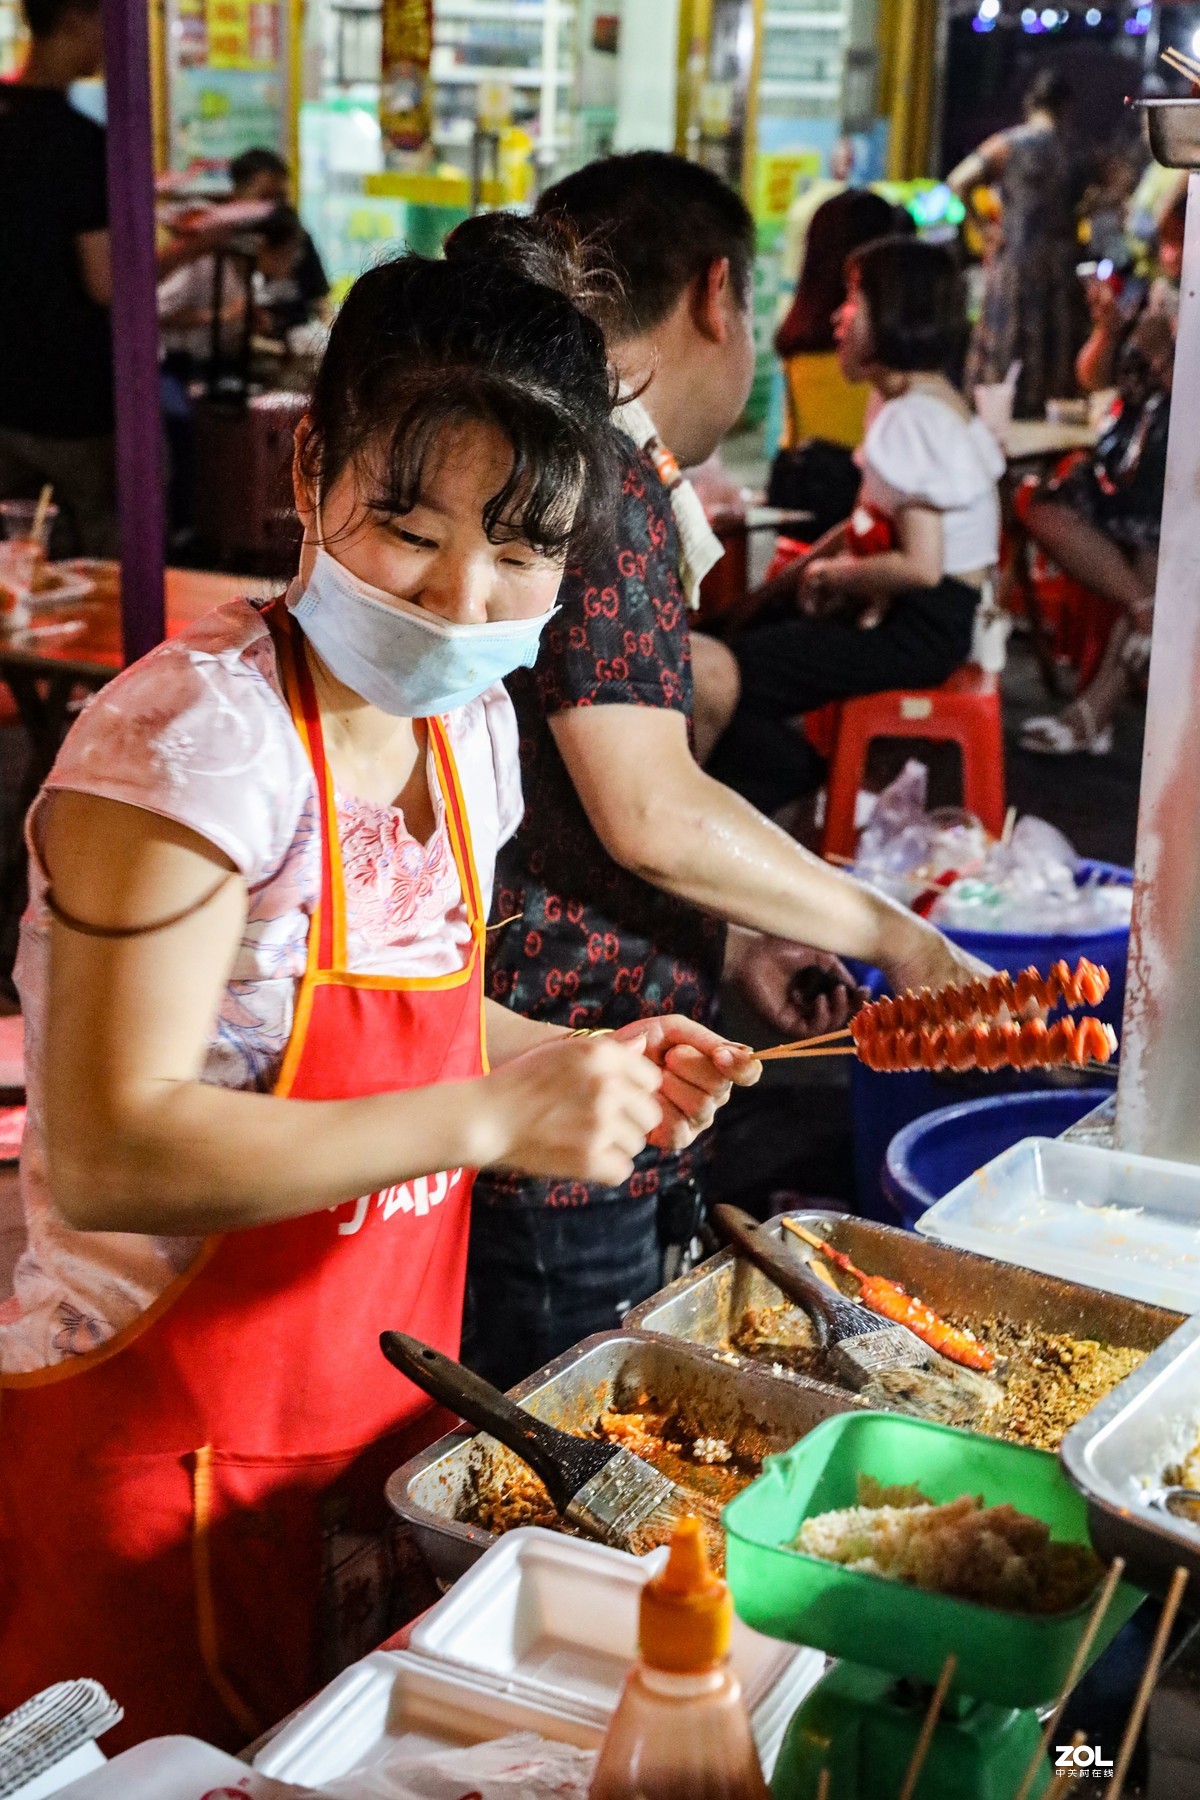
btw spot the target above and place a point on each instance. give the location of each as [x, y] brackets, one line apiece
[22, 553]
[994, 405]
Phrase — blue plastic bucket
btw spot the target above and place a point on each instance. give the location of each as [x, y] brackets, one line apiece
[882, 1105]
[934, 1153]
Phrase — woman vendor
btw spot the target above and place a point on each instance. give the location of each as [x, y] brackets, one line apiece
[261, 1067]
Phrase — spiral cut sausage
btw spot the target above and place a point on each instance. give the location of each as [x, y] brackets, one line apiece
[991, 997]
[1006, 1045]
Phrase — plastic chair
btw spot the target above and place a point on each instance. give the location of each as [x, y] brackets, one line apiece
[966, 711]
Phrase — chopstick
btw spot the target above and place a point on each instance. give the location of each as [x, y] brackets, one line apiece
[1149, 1676]
[1078, 1661]
[1181, 62]
[928, 1725]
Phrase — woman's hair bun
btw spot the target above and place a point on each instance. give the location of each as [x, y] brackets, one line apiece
[545, 251]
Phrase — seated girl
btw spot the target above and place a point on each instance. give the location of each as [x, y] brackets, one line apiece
[843, 623]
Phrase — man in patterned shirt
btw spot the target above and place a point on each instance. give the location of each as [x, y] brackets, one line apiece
[636, 880]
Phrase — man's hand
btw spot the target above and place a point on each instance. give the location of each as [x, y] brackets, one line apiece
[799, 991]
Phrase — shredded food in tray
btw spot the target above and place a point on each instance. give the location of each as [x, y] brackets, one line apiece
[1050, 1379]
[994, 1555]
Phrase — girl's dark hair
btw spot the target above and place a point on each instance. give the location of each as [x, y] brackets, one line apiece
[839, 226]
[493, 333]
[915, 302]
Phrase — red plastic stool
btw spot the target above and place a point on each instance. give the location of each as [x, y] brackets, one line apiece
[966, 712]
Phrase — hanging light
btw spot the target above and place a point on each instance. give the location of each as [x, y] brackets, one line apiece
[1050, 18]
[1092, 16]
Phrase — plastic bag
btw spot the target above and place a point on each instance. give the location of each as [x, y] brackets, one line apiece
[521, 1766]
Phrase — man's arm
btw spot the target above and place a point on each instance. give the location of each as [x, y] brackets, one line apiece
[94, 250]
[661, 817]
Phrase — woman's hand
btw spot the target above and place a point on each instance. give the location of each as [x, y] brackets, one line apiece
[819, 590]
[699, 1072]
[577, 1108]
[924, 958]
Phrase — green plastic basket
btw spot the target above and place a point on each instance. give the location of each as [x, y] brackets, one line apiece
[1011, 1659]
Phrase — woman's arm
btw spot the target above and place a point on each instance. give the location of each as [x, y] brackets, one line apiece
[915, 563]
[980, 167]
[137, 1141]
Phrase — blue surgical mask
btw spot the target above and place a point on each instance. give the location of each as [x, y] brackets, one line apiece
[404, 660]
[89, 98]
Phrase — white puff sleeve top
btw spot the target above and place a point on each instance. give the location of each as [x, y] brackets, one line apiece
[920, 451]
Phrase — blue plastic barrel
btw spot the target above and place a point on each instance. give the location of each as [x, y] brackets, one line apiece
[934, 1153]
[882, 1105]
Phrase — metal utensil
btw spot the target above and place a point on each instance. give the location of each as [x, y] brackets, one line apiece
[602, 1488]
[881, 1360]
[46, 1729]
[439, 1492]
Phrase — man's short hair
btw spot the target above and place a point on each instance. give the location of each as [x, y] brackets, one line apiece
[659, 221]
[258, 161]
[44, 17]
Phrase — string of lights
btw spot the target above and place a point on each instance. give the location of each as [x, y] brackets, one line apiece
[991, 14]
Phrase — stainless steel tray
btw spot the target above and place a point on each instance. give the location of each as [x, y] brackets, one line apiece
[706, 1306]
[1174, 131]
[433, 1492]
[1117, 1456]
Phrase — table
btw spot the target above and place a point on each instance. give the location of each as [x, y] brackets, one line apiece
[1040, 440]
[72, 646]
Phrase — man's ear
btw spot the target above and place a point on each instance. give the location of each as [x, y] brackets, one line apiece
[710, 296]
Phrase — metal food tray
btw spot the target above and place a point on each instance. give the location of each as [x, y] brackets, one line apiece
[434, 1490]
[1117, 1456]
[1174, 131]
[707, 1306]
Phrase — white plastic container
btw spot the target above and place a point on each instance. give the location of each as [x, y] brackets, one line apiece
[175, 1768]
[538, 1636]
[1127, 1224]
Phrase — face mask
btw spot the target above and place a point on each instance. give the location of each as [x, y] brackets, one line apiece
[401, 658]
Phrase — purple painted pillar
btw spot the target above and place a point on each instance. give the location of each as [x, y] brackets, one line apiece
[135, 323]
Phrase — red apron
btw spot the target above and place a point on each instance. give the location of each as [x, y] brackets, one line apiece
[193, 1512]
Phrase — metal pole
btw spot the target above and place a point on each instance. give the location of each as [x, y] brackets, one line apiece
[135, 324]
[1157, 1111]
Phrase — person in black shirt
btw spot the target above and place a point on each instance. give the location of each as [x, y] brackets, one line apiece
[635, 880]
[56, 398]
[56, 372]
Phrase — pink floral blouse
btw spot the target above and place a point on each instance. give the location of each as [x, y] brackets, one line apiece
[199, 732]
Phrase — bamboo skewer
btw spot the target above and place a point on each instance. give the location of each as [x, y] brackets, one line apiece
[1055, 1785]
[1103, 1601]
[809, 1043]
[823, 1785]
[1149, 1676]
[928, 1726]
[797, 1053]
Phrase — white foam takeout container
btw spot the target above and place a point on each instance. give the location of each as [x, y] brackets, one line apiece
[538, 1636]
[1127, 1224]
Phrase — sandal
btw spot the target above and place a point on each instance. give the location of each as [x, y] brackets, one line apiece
[1059, 734]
